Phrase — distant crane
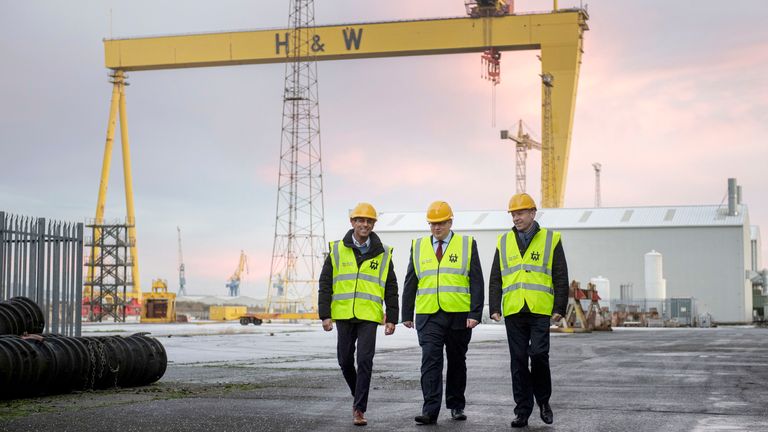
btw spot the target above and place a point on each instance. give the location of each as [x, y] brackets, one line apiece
[523, 143]
[233, 284]
[597, 168]
[182, 278]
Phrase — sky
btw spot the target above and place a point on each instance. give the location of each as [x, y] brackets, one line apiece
[672, 100]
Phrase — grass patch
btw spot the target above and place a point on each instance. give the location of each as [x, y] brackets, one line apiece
[22, 408]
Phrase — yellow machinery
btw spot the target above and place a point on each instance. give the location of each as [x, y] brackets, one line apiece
[226, 313]
[159, 305]
[557, 34]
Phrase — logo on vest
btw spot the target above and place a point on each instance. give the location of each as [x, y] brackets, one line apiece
[535, 256]
[374, 265]
[453, 257]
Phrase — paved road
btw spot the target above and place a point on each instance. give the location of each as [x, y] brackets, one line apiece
[626, 380]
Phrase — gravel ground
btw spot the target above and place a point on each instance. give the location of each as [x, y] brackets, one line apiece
[284, 377]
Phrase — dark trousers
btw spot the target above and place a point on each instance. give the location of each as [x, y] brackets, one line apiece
[358, 380]
[436, 333]
[528, 337]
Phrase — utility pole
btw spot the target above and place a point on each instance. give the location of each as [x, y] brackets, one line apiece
[182, 277]
[597, 168]
[299, 242]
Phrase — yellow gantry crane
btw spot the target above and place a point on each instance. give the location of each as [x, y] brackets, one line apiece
[558, 34]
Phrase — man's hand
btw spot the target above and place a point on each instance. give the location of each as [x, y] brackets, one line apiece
[327, 324]
[472, 323]
[556, 317]
[389, 328]
[496, 316]
[408, 324]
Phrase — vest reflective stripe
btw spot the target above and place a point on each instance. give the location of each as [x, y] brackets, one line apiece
[443, 289]
[444, 284]
[529, 267]
[523, 279]
[374, 279]
[528, 286]
[348, 296]
[358, 292]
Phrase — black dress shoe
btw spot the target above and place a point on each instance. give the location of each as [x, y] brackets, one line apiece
[425, 419]
[458, 414]
[546, 413]
[519, 422]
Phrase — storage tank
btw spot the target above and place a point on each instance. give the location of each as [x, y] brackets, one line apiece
[655, 284]
[603, 286]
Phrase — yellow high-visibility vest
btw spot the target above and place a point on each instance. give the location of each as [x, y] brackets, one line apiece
[527, 279]
[444, 284]
[358, 292]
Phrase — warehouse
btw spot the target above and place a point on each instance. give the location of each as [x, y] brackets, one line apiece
[706, 250]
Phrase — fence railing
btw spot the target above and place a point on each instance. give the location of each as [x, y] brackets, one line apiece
[43, 260]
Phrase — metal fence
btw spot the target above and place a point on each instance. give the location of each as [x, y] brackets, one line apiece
[43, 260]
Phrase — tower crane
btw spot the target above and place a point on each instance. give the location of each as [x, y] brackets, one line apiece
[523, 143]
[182, 278]
[233, 284]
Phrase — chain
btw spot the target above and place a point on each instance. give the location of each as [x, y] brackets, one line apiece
[116, 369]
[91, 364]
[102, 356]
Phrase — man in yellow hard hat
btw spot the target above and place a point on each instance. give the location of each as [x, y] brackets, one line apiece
[529, 286]
[357, 277]
[445, 283]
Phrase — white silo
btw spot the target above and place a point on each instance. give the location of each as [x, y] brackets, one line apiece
[603, 286]
[655, 284]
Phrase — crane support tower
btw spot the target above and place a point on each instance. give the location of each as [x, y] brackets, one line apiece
[549, 168]
[558, 34]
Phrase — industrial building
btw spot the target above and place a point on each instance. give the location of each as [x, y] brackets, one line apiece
[710, 253]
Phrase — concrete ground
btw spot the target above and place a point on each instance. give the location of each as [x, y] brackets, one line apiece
[285, 378]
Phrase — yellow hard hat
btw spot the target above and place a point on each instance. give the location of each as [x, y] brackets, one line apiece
[363, 210]
[439, 211]
[521, 201]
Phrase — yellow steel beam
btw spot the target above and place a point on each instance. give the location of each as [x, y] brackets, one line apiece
[557, 34]
[350, 41]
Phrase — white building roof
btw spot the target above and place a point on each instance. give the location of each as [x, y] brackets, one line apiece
[575, 218]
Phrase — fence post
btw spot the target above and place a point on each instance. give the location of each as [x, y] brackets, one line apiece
[3, 288]
[79, 281]
[39, 288]
[56, 241]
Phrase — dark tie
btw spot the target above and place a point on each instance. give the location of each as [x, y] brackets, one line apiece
[439, 252]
